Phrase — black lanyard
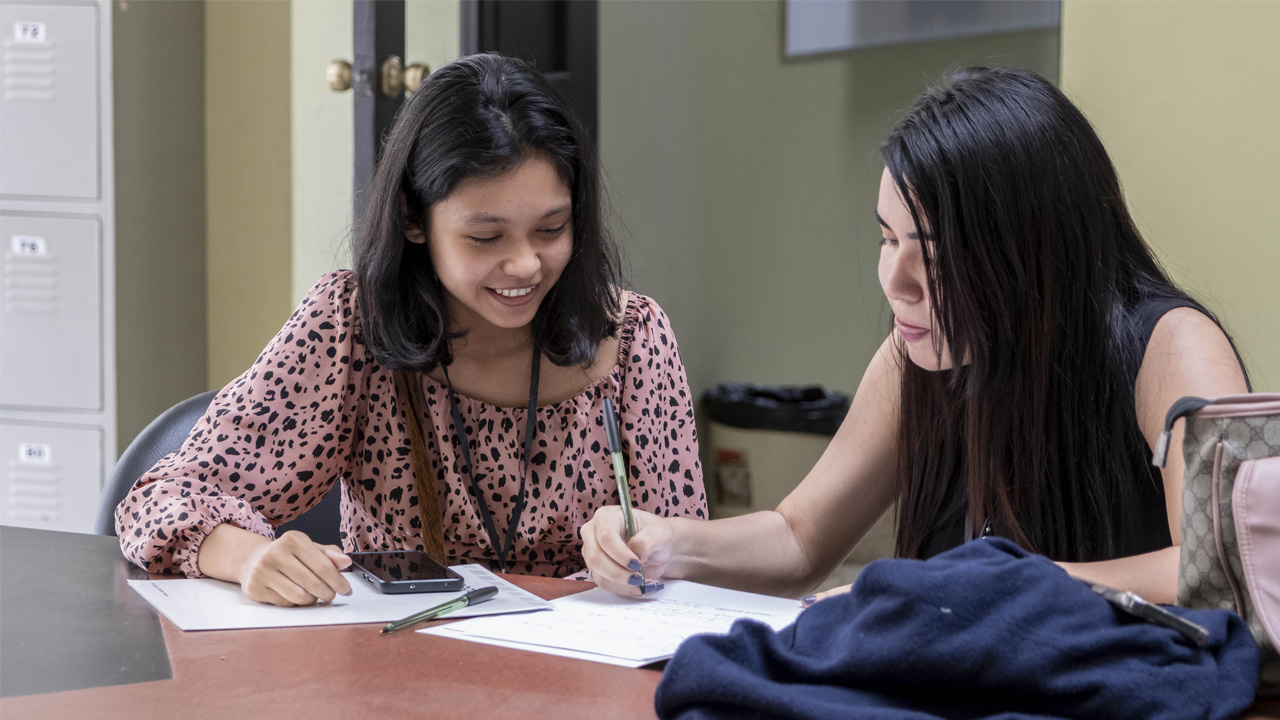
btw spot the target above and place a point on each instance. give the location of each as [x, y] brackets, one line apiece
[503, 549]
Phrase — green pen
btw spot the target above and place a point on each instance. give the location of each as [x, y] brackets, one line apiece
[444, 608]
[614, 439]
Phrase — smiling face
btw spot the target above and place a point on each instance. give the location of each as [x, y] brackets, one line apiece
[498, 244]
[903, 279]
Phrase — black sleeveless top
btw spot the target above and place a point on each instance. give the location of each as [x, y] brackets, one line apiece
[1145, 532]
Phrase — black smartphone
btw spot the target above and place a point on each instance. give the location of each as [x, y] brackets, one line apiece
[404, 571]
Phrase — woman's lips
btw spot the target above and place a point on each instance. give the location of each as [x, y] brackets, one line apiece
[513, 298]
[911, 333]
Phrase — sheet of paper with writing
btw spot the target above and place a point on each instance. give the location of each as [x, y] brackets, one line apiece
[632, 632]
[207, 604]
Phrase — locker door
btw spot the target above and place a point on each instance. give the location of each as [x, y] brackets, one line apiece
[50, 312]
[49, 476]
[49, 101]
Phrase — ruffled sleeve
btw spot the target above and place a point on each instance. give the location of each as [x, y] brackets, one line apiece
[271, 445]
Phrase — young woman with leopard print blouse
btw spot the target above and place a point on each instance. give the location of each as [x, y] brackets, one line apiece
[484, 274]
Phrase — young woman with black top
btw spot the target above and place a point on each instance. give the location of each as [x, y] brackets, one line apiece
[1037, 345]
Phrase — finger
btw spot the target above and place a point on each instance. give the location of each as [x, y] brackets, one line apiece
[319, 576]
[615, 561]
[651, 546]
[819, 597]
[340, 560]
[610, 537]
[323, 560]
[291, 591]
[305, 569]
[605, 571]
[269, 596]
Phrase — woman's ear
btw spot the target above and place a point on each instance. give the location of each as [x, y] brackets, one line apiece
[412, 227]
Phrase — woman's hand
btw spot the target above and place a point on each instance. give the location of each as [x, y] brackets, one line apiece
[808, 600]
[627, 568]
[287, 571]
[292, 570]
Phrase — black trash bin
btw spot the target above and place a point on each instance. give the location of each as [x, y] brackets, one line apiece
[764, 440]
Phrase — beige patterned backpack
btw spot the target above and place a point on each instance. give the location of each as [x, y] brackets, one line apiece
[1231, 514]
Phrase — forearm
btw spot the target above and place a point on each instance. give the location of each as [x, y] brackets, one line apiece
[226, 550]
[757, 552]
[1154, 575]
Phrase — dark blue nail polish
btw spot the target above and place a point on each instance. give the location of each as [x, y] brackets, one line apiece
[651, 587]
[636, 580]
[808, 600]
[635, 566]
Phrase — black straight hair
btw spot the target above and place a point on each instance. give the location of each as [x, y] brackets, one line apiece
[1036, 270]
[478, 117]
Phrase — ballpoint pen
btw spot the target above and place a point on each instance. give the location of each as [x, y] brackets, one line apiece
[471, 598]
[619, 466]
[614, 438]
[1136, 606]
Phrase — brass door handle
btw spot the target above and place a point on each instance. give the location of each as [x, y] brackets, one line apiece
[395, 78]
[339, 75]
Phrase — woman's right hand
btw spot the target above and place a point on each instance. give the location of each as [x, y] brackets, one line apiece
[627, 568]
[287, 571]
[292, 570]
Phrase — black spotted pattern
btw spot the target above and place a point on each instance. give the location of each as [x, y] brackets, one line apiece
[316, 409]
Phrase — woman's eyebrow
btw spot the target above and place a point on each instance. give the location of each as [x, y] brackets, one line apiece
[557, 210]
[482, 217]
[885, 225]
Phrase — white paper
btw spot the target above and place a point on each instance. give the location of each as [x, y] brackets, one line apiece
[206, 604]
[600, 626]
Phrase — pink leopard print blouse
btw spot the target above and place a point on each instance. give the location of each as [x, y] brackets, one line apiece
[316, 409]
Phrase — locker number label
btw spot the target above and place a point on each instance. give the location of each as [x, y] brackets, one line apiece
[29, 246]
[35, 454]
[30, 32]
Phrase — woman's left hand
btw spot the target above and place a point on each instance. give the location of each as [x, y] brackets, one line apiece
[809, 600]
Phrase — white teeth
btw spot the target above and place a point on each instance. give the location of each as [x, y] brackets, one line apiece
[518, 292]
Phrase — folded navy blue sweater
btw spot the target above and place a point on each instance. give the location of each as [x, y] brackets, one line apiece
[986, 630]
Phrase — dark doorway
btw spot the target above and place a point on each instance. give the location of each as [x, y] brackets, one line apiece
[558, 36]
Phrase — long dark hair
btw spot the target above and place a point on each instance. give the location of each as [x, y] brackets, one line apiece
[1035, 268]
[479, 116]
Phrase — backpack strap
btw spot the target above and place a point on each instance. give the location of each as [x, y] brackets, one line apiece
[409, 391]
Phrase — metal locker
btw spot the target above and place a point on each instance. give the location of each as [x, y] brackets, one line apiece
[49, 101]
[50, 312]
[42, 472]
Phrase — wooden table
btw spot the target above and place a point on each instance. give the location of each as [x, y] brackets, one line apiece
[340, 671]
[125, 661]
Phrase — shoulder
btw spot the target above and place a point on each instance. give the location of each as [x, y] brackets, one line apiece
[645, 329]
[331, 300]
[337, 287]
[1188, 354]
[1185, 337]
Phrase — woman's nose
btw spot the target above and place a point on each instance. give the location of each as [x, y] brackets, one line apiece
[904, 280]
[523, 260]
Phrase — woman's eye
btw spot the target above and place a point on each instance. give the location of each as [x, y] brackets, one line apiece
[888, 241]
[556, 230]
[483, 240]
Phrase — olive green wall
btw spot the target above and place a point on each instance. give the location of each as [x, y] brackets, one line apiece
[249, 179]
[1183, 95]
[159, 152]
[279, 144]
[745, 183]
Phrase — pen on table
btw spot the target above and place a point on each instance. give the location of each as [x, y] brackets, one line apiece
[1136, 606]
[471, 598]
[614, 439]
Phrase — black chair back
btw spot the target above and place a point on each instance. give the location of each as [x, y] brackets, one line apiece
[166, 434]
